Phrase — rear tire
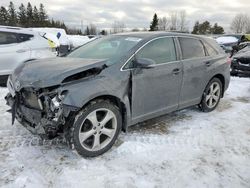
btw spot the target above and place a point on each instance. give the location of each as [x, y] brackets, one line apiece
[96, 128]
[211, 96]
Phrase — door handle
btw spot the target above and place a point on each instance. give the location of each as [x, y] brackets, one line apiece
[176, 71]
[21, 51]
[208, 63]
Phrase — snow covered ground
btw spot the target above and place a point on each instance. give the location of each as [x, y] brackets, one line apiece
[183, 149]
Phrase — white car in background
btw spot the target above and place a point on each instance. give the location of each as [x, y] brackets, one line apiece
[19, 45]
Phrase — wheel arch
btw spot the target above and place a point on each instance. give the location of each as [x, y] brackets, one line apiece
[119, 103]
[222, 79]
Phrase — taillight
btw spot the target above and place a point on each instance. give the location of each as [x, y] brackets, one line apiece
[229, 61]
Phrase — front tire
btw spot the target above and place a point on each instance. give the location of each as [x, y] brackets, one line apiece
[211, 96]
[96, 128]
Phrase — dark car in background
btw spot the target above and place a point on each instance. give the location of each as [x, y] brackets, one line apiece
[241, 60]
[116, 81]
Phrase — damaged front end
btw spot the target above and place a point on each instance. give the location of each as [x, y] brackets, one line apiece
[40, 110]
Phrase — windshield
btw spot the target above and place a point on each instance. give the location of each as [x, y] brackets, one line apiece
[109, 48]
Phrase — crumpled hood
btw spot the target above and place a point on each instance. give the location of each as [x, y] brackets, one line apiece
[49, 72]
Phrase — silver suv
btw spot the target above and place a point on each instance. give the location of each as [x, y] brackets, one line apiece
[18, 45]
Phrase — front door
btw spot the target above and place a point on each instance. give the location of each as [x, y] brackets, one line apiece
[155, 91]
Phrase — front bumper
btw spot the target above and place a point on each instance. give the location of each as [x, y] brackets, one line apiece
[38, 121]
[30, 118]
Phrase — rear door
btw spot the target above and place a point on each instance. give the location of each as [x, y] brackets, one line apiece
[156, 90]
[195, 68]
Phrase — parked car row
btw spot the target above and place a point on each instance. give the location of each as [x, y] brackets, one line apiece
[238, 48]
[101, 88]
[19, 45]
[241, 61]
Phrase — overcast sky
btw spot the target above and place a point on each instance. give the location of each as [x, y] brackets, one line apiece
[138, 13]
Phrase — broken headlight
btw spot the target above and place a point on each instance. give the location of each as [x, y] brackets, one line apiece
[56, 101]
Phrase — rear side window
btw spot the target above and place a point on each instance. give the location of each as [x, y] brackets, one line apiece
[161, 50]
[191, 48]
[24, 37]
[7, 38]
[210, 50]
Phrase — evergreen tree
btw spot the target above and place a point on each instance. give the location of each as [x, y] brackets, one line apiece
[32, 17]
[205, 28]
[154, 23]
[216, 29]
[196, 28]
[87, 31]
[29, 13]
[36, 19]
[3, 16]
[43, 17]
[21, 15]
[12, 16]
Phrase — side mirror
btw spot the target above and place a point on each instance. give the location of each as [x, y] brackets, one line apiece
[143, 63]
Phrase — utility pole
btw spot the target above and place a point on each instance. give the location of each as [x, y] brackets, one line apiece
[82, 26]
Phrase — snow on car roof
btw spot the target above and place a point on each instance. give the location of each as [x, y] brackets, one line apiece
[226, 40]
[16, 29]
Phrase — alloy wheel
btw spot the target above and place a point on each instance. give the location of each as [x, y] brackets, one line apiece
[213, 95]
[98, 129]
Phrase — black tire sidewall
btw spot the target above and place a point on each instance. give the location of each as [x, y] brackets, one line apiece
[204, 106]
[81, 117]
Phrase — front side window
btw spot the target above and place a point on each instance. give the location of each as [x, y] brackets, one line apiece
[191, 48]
[161, 50]
[7, 38]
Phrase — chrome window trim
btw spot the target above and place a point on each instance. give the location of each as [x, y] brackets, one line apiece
[174, 36]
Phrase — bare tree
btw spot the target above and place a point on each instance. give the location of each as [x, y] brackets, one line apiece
[247, 29]
[240, 23]
[173, 21]
[90, 30]
[118, 27]
[163, 24]
[177, 21]
[182, 20]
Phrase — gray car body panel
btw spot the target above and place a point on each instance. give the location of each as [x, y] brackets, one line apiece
[52, 71]
[148, 98]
